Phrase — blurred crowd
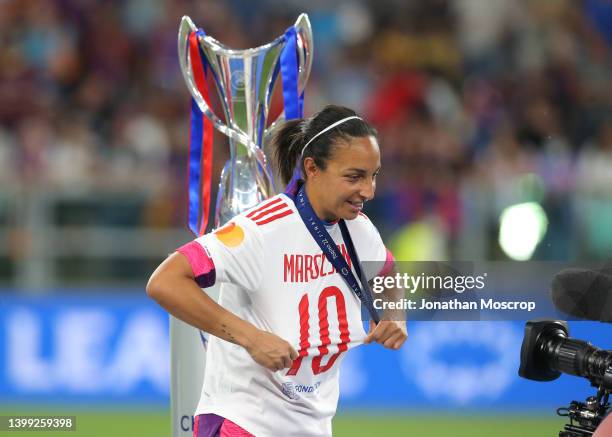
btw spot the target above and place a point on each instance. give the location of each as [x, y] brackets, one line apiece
[479, 105]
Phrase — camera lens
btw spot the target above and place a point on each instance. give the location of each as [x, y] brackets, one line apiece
[548, 351]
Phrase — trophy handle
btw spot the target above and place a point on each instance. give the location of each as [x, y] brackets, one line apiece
[305, 50]
[305, 54]
[187, 26]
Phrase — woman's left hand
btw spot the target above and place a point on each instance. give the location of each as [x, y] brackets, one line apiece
[391, 334]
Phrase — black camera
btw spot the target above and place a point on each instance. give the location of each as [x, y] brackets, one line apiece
[548, 351]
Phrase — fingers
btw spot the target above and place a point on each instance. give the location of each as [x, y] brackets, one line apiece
[379, 333]
[277, 368]
[398, 344]
[371, 330]
[285, 360]
[272, 352]
[391, 335]
[395, 341]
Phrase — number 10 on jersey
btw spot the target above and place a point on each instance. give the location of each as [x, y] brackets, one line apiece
[303, 307]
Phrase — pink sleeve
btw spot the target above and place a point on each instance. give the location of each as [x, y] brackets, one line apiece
[202, 264]
[388, 266]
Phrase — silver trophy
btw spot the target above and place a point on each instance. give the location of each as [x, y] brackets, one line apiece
[244, 80]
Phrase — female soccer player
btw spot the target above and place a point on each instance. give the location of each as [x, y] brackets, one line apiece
[291, 310]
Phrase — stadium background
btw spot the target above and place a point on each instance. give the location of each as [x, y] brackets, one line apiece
[481, 106]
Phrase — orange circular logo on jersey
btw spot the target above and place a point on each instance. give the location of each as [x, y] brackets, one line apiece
[231, 234]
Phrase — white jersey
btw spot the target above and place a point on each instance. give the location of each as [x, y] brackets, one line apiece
[276, 277]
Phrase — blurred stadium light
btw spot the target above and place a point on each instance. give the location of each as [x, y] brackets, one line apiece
[521, 229]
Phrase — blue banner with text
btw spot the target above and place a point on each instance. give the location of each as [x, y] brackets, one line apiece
[112, 347]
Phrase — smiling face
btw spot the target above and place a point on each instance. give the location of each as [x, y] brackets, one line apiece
[349, 180]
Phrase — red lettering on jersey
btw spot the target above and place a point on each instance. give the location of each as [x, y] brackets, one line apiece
[299, 268]
[328, 292]
[304, 328]
[308, 270]
[306, 267]
[316, 266]
[324, 336]
[323, 259]
[289, 267]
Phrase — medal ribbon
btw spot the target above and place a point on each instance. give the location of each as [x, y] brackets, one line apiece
[317, 229]
[293, 101]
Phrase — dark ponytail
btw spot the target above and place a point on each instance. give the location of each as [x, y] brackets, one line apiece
[286, 146]
[290, 138]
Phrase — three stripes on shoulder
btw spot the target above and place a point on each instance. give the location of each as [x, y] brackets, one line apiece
[270, 211]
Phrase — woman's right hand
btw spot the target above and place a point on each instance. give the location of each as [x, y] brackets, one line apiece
[271, 351]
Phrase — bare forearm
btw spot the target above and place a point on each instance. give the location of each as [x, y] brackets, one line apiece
[173, 286]
[183, 298]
